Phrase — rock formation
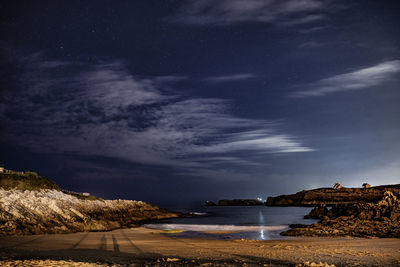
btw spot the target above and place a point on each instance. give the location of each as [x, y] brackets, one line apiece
[330, 196]
[209, 203]
[239, 202]
[380, 219]
[317, 212]
[52, 211]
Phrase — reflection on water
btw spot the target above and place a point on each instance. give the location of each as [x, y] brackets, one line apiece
[254, 222]
[257, 235]
[262, 237]
[261, 222]
[260, 218]
[259, 232]
[214, 227]
[244, 216]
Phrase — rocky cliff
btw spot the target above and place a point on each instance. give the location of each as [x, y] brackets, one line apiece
[52, 211]
[330, 196]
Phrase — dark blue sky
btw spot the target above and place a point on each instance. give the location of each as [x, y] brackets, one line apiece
[170, 101]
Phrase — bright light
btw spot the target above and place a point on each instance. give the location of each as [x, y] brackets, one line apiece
[262, 234]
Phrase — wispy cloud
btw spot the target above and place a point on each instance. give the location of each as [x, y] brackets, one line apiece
[266, 142]
[356, 80]
[230, 78]
[227, 12]
[104, 110]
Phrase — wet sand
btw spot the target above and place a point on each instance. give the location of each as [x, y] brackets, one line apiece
[142, 246]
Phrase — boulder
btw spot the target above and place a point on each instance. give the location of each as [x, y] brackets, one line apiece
[317, 213]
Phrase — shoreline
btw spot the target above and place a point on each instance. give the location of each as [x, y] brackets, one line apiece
[141, 246]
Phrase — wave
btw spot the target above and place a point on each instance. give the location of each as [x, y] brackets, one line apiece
[205, 227]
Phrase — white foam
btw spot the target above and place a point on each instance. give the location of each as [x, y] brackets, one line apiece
[205, 227]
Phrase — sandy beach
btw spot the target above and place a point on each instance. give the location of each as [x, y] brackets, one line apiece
[141, 246]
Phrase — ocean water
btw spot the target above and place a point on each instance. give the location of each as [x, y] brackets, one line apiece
[234, 222]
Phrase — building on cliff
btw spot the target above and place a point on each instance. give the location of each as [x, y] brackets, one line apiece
[4, 170]
[337, 186]
[366, 185]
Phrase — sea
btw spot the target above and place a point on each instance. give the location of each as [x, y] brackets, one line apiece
[233, 222]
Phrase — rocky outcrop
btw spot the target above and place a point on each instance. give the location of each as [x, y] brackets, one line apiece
[239, 202]
[380, 219]
[52, 211]
[330, 196]
[317, 212]
[209, 203]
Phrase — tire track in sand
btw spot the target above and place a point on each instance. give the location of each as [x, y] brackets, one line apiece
[130, 241]
[116, 247]
[80, 241]
[103, 243]
[24, 242]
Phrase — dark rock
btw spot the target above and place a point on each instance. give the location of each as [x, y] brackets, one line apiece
[317, 213]
[331, 197]
[239, 202]
[210, 203]
[298, 225]
[380, 219]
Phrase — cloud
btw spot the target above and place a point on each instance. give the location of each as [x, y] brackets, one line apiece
[356, 80]
[270, 143]
[113, 87]
[104, 110]
[229, 78]
[228, 12]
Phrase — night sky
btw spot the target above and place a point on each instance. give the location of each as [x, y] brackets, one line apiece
[184, 101]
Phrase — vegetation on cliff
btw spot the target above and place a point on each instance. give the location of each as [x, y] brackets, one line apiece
[32, 181]
[26, 181]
